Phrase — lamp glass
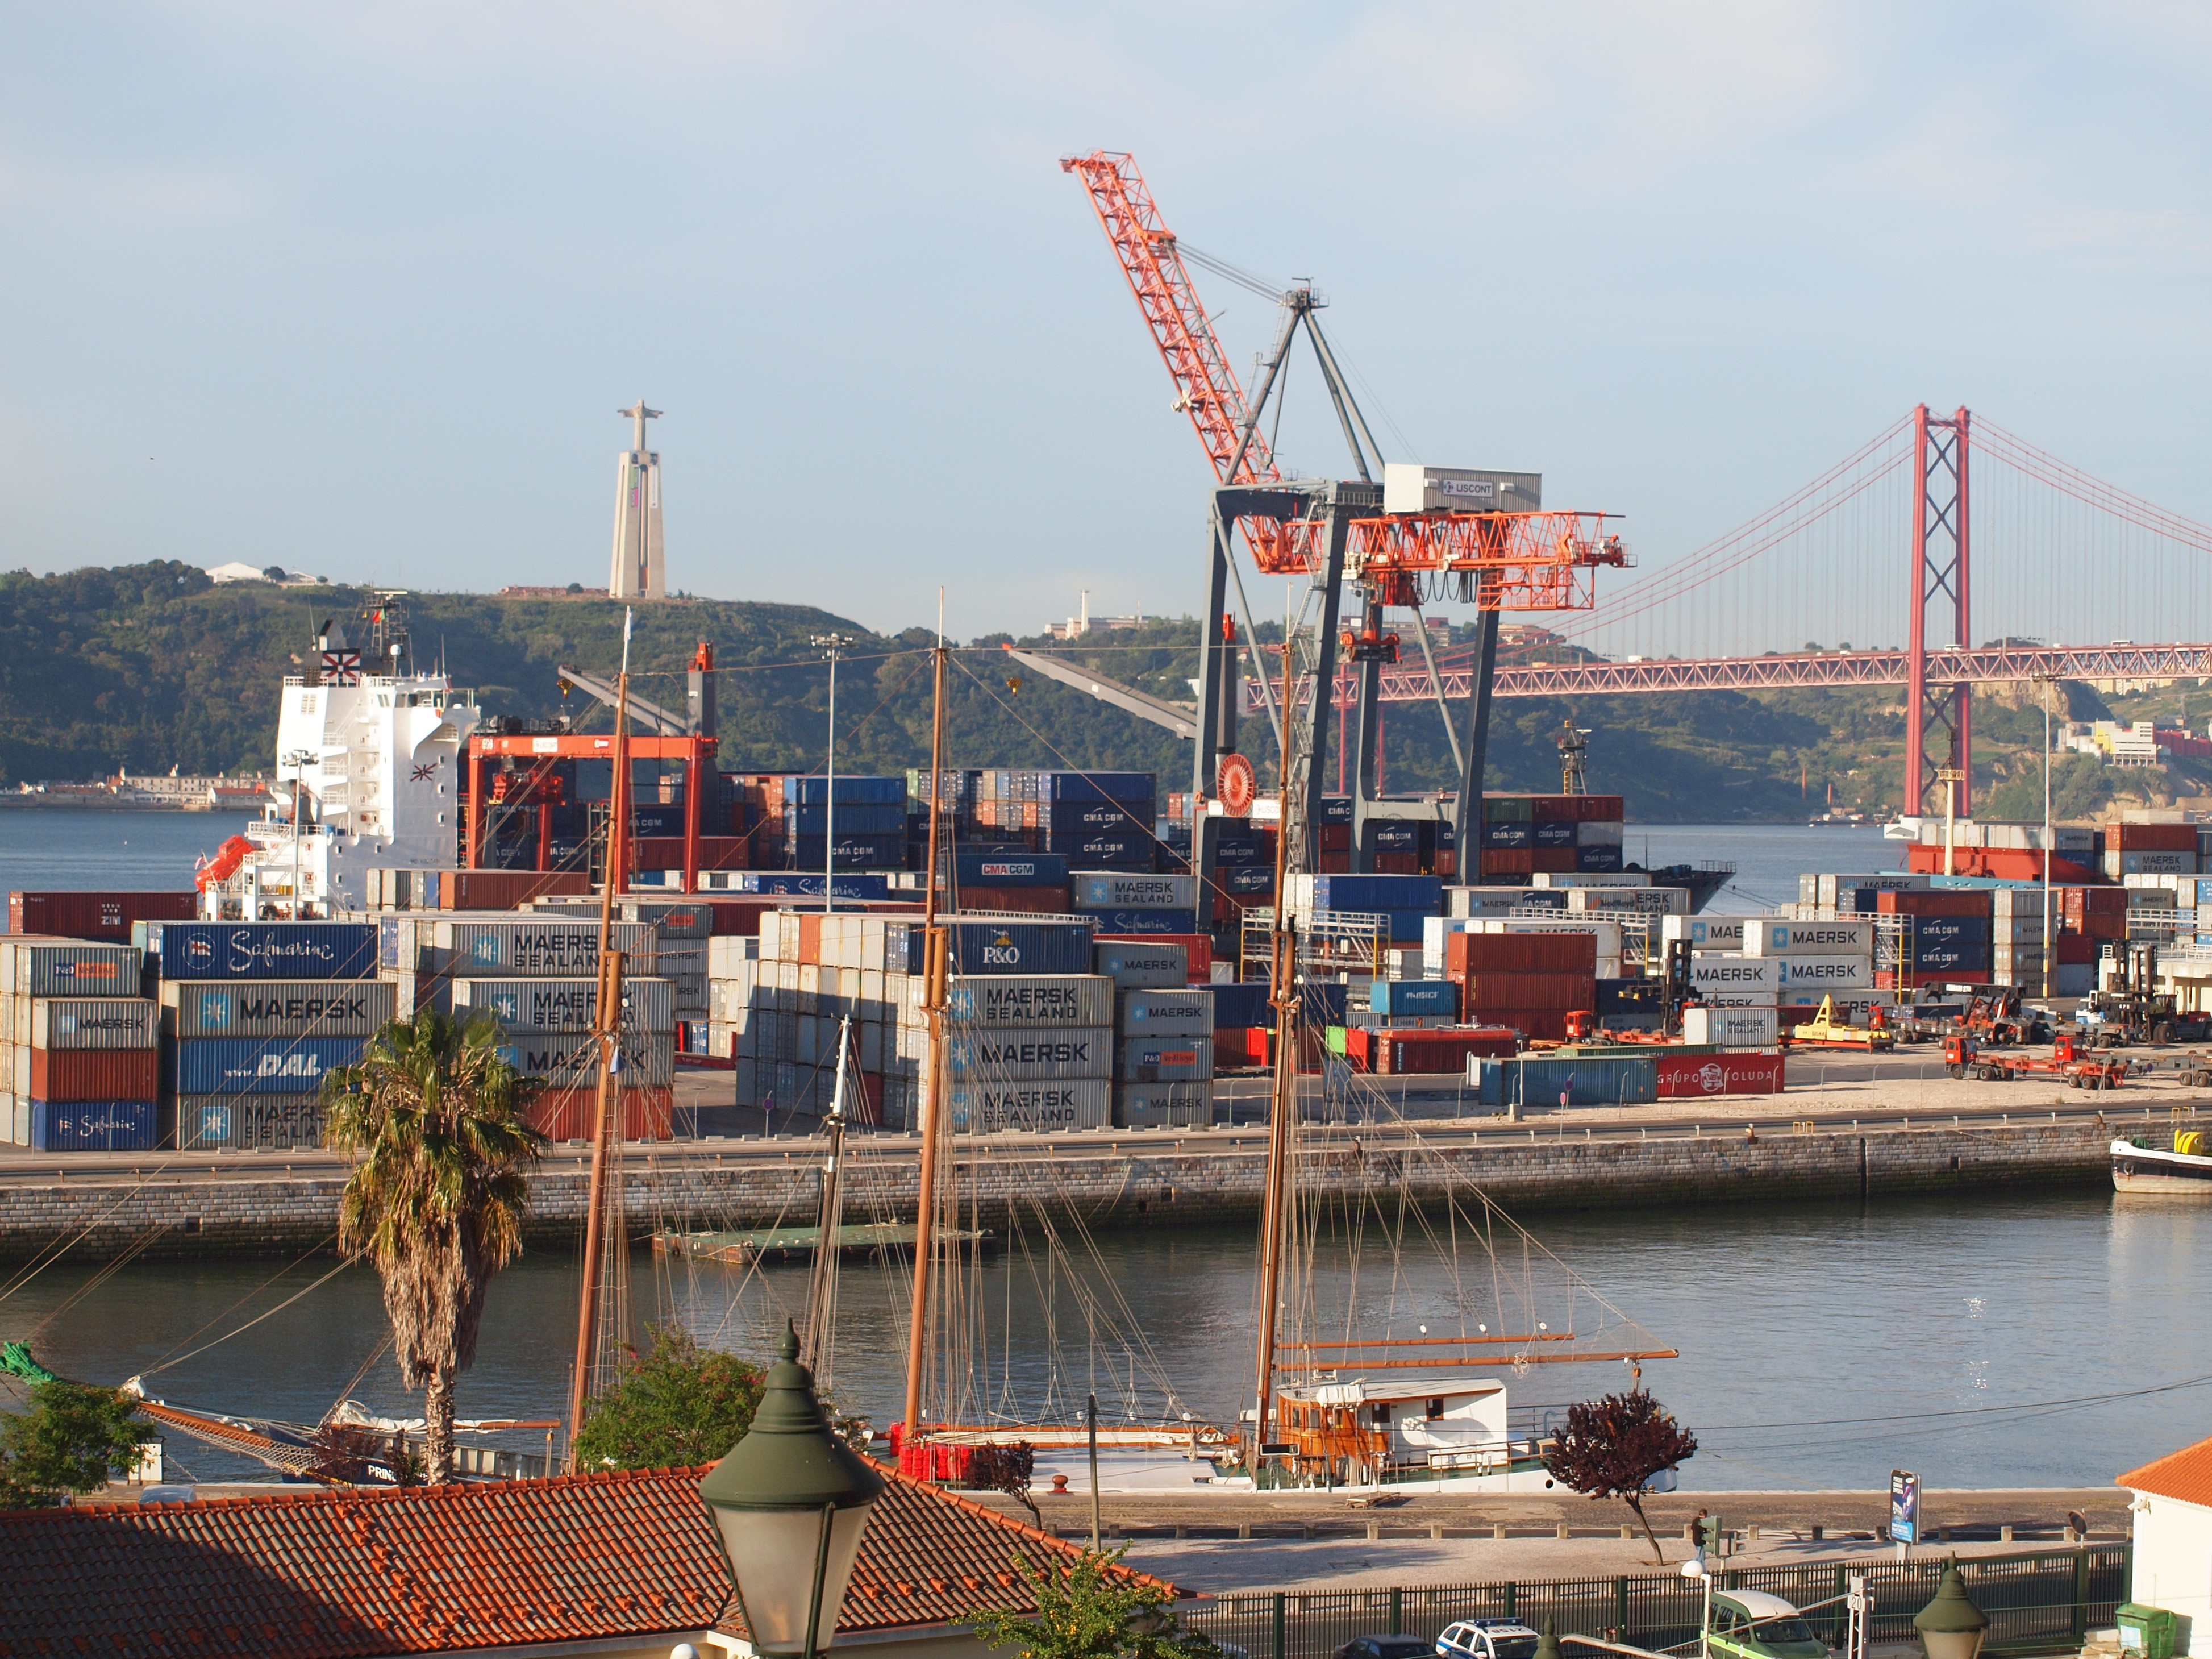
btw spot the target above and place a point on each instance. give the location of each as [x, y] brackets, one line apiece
[773, 1555]
[1939, 1643]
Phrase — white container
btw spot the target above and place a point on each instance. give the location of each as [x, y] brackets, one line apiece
[1795, 975]
[1012, 1056]
[564, 1005]
[1809, 938]
[1034, 1108]
[1730, 1028]
[53, 1023]
[1502, 901]
[1828, 886]
[1718, 972]
[1638, 901]
[1133, 965]
[1031, 1000]
[2120, 865]
[1113, 889]
[1704, 932]
[1608, 932]
[1180, 1014]
[1162, 1105]
[1598, 832]
[1560, 880]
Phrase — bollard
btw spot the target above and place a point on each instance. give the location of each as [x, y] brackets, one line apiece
[1819, 1533]
[1243, 1528]
[1374, 1531]
[1498, 1530]
[1436, 1529]
[1625, 1530]
[2004, 1534]
[1181, 1531]
[1750, 1535]
[1561, 1531]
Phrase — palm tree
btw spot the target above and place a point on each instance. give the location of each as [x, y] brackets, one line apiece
[433, 1114]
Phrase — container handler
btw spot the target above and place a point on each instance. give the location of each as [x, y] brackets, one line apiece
[2136, 1011]
[1963, 1054]
[1822, 1031]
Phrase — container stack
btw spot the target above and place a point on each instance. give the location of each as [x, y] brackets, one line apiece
[1133, 903]
[1163, 1056]
[1522, 835]
[1407, 902]
[78, 1067]
[1529, 982]
[1095, 820]
[550, 1021]
[254, 1015]
[1812, 959]
[733, 978]
[421, 956]
[2142, 849]
[868, 819]
[1029, 1052]
[1943, 934]
[2016, 956]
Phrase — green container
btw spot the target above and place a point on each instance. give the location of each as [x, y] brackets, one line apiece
[1509, 809]
[2147, 1631]
[1334, 1036]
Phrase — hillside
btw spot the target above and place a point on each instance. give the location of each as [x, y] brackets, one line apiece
[150, 666]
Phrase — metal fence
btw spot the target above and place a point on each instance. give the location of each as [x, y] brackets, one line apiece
[2046, 1602]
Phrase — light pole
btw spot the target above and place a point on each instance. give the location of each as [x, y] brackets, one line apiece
[1951, 1626]
[299, 759]
[790, 1502]
[829, 645]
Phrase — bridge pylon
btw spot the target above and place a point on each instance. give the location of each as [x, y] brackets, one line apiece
[1939, 717]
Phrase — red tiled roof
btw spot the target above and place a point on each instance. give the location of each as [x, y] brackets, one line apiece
[2186, 1474]
[332, 1575]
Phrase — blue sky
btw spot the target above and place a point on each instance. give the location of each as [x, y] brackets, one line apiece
[360, 290]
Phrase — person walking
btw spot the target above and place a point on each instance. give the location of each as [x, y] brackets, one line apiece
[1697, 1547]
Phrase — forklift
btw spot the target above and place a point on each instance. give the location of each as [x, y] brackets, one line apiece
[2134, 1011]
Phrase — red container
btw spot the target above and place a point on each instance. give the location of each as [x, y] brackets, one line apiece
[571, 1113]
[715, 853]
[2150, 837]
[1510, 860]
[96, 915]
[1553, 861]
[2074, 949]
[1022, 900]
[1446, 1049]
[1542, 1025]
[1336, 864]
[2076, 903]
[1232, 1046]
[1932, 902]
[1199, 946]
[506, 889]
[2001, 863]
[1466, 954]
[1485, 991]
[1692, 1076]
[1556, 809]
[1447, 863]
[1599, 809]
[1336, 838]
[61, 1074]
[1397, 864]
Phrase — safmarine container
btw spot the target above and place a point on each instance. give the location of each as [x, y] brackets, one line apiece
[266, 950]
[1031, 1000]
[241, 1122]
[86, 1022]
[279, 1008]
[87, 1073]
[66, 968]
[269, 1065]
[1041, 1106]
[1111, 889]
[564, 1005]
[1142, 1015]
[1141, 921]
[1134, 966]
[1019, 1057]
[92, 1125]
[856, 887]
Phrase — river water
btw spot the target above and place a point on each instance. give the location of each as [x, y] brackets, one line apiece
[2034, 1340]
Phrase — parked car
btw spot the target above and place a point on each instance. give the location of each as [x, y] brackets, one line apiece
[1387, 1647]
[1488, 1638]
[1752, 1624]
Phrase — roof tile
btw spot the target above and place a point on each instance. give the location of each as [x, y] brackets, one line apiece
[2186, 1475]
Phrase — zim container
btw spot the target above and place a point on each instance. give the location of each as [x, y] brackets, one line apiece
[92, 1125]
[279, 1008]
[67, 967]
[266, 950]
[105, 917]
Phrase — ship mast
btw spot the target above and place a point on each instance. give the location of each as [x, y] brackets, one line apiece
[1284, 992]
[607, 1130]
[934, 969]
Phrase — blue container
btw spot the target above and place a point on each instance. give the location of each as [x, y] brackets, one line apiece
[1013, 947]
[657, 818]
[854, 851]
[1242, 1002]
[266, 950]
[855, 790]
[853, 818]
[1508, 835]
[800, 885]
[1011, 867]
[1076, 818]
[1626, 1081]
[1125, 922]
[1423, 894]
[92, 1126]
[1950, 957]
[1394, 836]
[1319, 1004]
[1950, 932]
[262, 1066]
[1336, 809]
[1242, 854]
[1597, 860]
[1130, 849]
[1247, 881]
[1097, 786]
[1409, 927]
[1621, 996]
[1415, 999]
[1550, 832]
[2204, 892]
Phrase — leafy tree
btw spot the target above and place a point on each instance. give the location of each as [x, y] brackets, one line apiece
[677, 1405]
[1612, 1447]
[69, 1440]
[1008, 1468]
[433, 1116]
[1088, 1609]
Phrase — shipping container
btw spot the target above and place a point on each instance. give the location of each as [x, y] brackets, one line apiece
[271, 1065]
[1242, 1002]
[1702, 933]
[502, 889]
[1560, 880]
[88, 1126]
[570, 1114]
[1142, 1015]
[1730, 1028]
[276, 1008]
[245, 1122]
[1932, 902]
[1809, 938]
[1446, 1052]
[85, 1022]
[1164, 1059]
[1507, 953]
[1584, 1080]
[571, 1060]
[648, 1005]
[1164, 1105]
[980, 1108]
[1020, 901]
[1690, 1077]
[1719, 971]
[801, 884]
[1633, 901]
[1037, 1000]
[992, 1056]
[1486, 992]
[1111, 890]
[1425, 999]
[87, 1073]
[1134, 964]
[1793, 974]
[203, 950]
[67, 967]
[103, 916]
[2150, 838]
[1198, 953]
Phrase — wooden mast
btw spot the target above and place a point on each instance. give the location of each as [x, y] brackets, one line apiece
[605, 1026]
[917, 1345]
[1284, 992]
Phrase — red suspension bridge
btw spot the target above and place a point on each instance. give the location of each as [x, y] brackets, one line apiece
[1949, 498]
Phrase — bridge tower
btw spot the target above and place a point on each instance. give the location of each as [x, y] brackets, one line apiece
[1939, 717]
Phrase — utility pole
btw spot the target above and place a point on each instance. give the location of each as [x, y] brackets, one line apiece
[934, 969]
[2045, 683]
[829, 645]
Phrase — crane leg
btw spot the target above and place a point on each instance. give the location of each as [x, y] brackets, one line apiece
[1324, 697]
[1370, 705]
[1205, 830]
[1466, 820]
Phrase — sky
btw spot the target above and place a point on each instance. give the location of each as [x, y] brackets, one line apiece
[359, 289]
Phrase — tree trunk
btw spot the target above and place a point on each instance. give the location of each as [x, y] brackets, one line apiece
[1635, 1503]
[438, 1429]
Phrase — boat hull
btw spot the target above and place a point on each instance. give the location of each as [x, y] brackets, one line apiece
[2146, 1171]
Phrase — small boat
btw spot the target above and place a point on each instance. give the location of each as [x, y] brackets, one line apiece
[2185, 1171]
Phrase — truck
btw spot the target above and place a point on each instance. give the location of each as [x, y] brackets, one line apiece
[1995, 1015]
[1963, 1055]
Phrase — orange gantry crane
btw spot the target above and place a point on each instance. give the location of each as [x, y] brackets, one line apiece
[1398, 542]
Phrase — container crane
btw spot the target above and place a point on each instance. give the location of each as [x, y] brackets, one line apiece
[1397, 542]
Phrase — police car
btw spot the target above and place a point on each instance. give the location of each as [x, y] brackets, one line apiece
[1488, 1638]
[1752, 1624]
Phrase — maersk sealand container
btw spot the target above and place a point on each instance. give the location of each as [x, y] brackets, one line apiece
[265, 950]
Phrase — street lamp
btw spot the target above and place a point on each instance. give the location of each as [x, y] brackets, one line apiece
[1951, 1626]
[829, 645]
[790, 1502]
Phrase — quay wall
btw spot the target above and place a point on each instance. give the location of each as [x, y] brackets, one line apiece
[237, 1209]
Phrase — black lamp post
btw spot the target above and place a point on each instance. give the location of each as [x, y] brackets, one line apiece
[1951, 1626]
[790, 1502]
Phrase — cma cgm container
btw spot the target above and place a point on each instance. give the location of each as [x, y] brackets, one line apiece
[279, 1008]
[103, 916]
[82, 1022]
[92, 1125]
[265, 950]
[269, 1065]
[65, 968]
[564, 1005]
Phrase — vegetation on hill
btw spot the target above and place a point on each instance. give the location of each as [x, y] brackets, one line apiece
[150, 666]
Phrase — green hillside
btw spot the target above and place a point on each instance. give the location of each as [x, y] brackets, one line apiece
[150, 666]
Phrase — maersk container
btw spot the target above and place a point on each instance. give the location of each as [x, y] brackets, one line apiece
[1164, 1059]
[528, 949]
[1584, 1080]
[1141, 921]
[268, 1066]
[565, 1004]
[1819, 974]
[66, 968]
[981, 946]
[202, 951]
[1033, 1107]
[280, 1008]
[1422, 998]
[1136, 890]
[243, 1122]
[1372, 893]
[1162, 1105]
[1706, 933]
[1049, 1055]
[565, 1060]
[1008, 1000]
[1776, 938]
[1142, 1015]
[1713, 971]
[86, 1022]
[92, 1125]
[1134, 967]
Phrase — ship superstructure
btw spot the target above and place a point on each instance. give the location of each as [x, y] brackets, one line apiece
[367, 778]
